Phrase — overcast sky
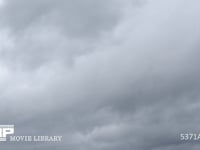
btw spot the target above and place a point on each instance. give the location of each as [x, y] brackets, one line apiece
[104, 74]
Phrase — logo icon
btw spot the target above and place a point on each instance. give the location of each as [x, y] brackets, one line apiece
[6, 130]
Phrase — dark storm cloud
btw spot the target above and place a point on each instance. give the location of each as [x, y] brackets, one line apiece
[106, 75]
[76, 18]
[40, 31]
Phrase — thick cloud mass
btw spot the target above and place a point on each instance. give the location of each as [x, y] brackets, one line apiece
[106, 75]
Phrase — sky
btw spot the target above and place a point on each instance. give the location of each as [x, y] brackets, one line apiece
[104, 74]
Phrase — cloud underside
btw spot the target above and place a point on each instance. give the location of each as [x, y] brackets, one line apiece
[106, 75]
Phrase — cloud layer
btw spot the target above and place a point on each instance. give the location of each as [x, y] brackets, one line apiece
[106, 75]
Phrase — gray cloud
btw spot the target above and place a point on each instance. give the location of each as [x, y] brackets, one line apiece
[42, 31]
[106, 75]
[76, 18]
